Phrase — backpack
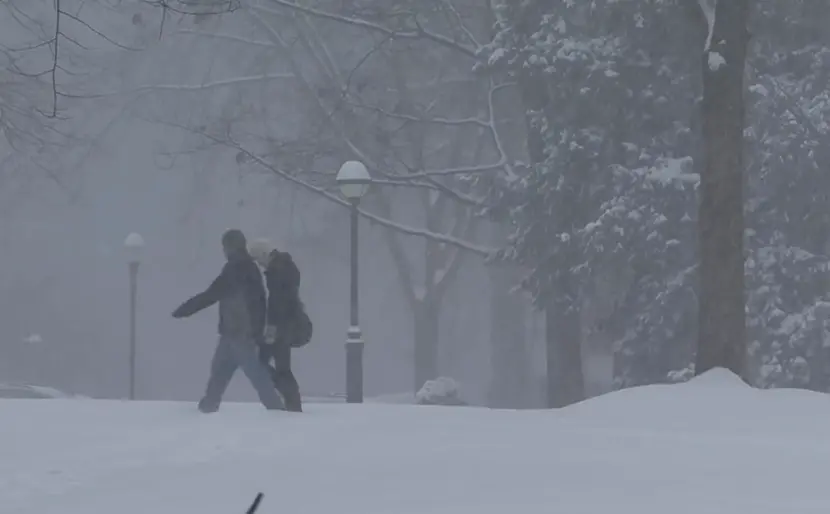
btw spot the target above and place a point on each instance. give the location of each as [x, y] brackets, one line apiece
[303, 328]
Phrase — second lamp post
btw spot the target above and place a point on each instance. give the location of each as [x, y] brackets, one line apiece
[354, 180]
[134, 244]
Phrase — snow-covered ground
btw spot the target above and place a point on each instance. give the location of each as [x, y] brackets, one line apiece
[709, 446]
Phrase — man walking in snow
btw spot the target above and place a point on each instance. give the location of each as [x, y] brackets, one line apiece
[287, 325]
[238, 291]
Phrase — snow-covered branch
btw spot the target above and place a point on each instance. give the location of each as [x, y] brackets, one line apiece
[40, 44]
[798, 113]
[189, 88]
[452, 264]
[194, 8]
[461, 170]
[235, 81]
[327, 112]
[467, 32]
[326, 62]
[708, 8]
[419, 33]
[402, 265]
[494, 131]
[419, 119]
[332, 197]
[227, 37]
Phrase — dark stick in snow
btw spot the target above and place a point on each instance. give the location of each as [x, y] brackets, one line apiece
[254, 506]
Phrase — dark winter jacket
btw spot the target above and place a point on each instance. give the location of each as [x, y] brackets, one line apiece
[282, 277]
[238, 290]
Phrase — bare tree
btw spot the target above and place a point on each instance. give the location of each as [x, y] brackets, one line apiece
[390, 85]
[405, 142]
[46, 57]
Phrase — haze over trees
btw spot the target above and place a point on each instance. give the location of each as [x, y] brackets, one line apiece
[646, 177]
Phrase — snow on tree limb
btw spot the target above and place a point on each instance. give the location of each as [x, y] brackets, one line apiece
[330, 112]
[436, 120]
[491, 109]
[213, 84]
[419, 33]
[265, 77]
[467, 32]
[47, 52]
[312, 59]
[708, 8]
[228, 37]
[461, 170]
[487, 122]
[319, 191]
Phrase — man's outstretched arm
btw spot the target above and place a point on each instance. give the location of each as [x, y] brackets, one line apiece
[217, 290]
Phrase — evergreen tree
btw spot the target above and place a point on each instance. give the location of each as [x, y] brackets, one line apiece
[608, 94]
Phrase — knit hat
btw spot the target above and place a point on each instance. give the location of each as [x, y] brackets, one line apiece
[233, 241]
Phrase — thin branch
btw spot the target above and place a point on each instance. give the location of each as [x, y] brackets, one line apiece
[327, 61]
[184, 87]
[494, 132]
[54, 71]
[449, 5]
[96, 31]
[453, 264]
[461, 170]
[214, 84]
[402, 265]
[440, 238]
[228, 37]
[232, 5]
[502, 164]
[418, 34]
[328, 114]
[417, 119]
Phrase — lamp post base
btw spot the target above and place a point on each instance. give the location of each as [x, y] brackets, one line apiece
[354, 366]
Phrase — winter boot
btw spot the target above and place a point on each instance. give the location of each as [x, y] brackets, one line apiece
[207, 406]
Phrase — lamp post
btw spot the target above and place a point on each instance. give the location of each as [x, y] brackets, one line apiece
[134, 245]
[354, 180]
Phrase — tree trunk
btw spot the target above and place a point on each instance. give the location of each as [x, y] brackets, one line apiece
[722, 323]
[508, 357]
[563, 330]
[426, 341]
[563, 336]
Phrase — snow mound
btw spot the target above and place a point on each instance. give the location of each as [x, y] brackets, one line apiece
[441, 391]
[683, 449]
[718, 377]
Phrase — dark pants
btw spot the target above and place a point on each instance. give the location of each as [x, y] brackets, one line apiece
[281, 374]
[232, 354]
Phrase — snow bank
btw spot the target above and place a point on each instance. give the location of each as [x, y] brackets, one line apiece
[707, 446]
[394, 398]
[718, 377]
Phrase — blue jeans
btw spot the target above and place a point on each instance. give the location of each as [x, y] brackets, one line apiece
[231, 354]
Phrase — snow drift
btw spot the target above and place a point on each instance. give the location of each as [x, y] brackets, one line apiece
[711, 445]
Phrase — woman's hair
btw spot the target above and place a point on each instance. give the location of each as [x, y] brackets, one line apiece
[260, 250]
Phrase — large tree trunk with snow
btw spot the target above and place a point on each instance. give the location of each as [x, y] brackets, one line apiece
[563, 332]
[722, 323]
[508, 342]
